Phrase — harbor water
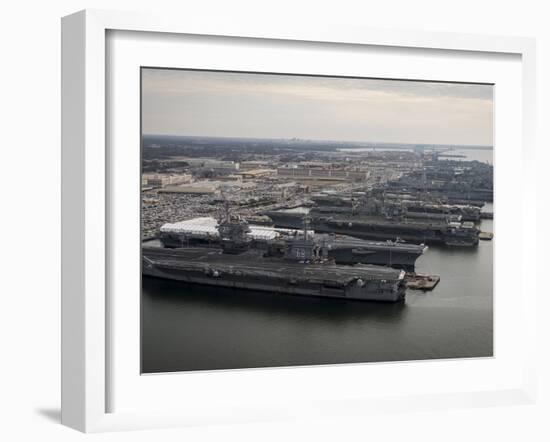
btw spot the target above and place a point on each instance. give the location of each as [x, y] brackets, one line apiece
[186, 327]
[463, 153]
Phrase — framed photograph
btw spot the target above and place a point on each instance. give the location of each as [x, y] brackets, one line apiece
[268, 223]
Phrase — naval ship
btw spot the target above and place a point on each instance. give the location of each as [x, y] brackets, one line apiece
[458, 183]
[376, 219]
[208, 232]
[416, 205]
[304, 269]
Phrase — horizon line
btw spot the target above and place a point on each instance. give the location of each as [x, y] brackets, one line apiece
[317, 140]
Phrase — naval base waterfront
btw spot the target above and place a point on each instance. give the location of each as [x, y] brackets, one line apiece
[295, 220]
[209, 325]
[190, 327]
[388, 256]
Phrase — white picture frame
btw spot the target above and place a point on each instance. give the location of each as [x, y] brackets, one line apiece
[86, 351]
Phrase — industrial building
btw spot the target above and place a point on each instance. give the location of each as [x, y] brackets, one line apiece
[307, 173]
[162, 180]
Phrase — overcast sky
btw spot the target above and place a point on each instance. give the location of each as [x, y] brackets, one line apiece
[179, 102]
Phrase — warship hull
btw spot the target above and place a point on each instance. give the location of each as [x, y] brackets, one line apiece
[372, 227]
[343, 249]
[348, 250]
[415, 208]
[250, 271]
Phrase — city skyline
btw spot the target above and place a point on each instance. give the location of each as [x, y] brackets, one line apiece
[250, 105]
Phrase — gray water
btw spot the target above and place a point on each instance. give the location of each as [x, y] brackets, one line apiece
[188, 327]
[483, 155]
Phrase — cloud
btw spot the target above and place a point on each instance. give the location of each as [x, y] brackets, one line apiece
[182, 81]
[266, 105]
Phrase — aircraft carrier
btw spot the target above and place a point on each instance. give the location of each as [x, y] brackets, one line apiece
[205, 232]
[417, 205]
[374, 217]
[304, 269]
[457, 182]
[378, 227]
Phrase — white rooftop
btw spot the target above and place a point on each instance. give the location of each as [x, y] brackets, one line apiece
[208, 226]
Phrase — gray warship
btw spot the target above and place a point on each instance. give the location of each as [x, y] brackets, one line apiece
[208, 232]
[304, 269]
[416, 204]
[457, 182]
[378, 219]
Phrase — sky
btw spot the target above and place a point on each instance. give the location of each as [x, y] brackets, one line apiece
[226, 104]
